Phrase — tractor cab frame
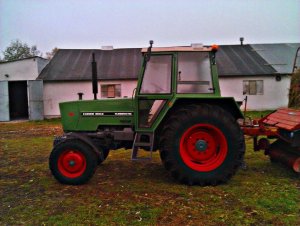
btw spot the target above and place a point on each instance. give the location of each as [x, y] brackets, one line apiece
[169, 74]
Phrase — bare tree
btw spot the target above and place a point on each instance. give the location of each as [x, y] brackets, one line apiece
[19, 50]
[49, 55]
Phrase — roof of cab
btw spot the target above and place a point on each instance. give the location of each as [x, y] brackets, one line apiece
[178, 49]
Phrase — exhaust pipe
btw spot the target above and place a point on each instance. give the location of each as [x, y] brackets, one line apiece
[94, 77]
[287, 158]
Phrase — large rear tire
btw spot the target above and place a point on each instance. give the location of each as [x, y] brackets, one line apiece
[202, 144]
[72, 162]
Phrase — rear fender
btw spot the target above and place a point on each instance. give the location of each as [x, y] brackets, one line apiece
[227, 103]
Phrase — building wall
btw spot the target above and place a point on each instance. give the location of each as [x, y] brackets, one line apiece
[22, 70]
[275, 94]
[56, 92]
[26, 69]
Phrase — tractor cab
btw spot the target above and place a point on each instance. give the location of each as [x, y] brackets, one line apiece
[170, 73]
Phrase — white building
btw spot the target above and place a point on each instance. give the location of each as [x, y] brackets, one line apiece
[243, 70]
[69, 73]
[20, 92]
[260, 71]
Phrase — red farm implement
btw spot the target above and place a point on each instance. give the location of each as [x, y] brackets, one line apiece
[282, 125]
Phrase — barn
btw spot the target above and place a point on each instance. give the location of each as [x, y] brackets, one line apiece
[261, 71]
[21, 95]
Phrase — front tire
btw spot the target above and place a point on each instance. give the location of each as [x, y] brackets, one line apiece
[202, 144]
[72, 162]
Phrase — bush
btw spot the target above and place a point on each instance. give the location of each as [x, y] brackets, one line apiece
[294, 94]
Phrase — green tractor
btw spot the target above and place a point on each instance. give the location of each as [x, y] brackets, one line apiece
[176, 109]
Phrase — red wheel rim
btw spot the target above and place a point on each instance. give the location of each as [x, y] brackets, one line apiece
[203, 147]
[71, 163]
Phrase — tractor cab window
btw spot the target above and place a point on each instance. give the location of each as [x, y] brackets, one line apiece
[149, 111]
[157, 76]
[194, 73]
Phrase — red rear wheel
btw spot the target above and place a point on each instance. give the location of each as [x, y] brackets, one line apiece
[203, 147]
[201, 144]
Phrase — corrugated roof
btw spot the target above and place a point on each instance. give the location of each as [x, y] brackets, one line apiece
[237, 60]
[232, 60]
[279, 56]
[75, 64]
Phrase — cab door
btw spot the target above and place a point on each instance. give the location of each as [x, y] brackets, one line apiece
[154, 91]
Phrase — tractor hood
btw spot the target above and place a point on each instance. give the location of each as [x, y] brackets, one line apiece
[88, 115]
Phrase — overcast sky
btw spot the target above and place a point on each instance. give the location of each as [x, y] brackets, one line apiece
[129, 23]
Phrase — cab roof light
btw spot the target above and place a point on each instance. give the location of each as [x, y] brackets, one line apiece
[214, 47]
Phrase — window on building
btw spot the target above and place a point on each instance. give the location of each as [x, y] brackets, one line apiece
[253, 87]
[111, 91]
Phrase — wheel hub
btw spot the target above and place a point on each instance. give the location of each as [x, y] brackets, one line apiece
[201, 145]
[72, 163]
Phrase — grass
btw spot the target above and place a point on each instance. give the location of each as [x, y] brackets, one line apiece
[135, 193]
[258, 114]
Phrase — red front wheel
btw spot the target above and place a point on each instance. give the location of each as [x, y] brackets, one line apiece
[72, 162]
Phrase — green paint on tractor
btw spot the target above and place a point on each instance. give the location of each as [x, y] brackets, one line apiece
[89, 115]
[177, 109]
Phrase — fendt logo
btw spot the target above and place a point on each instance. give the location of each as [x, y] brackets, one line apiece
[99, 114]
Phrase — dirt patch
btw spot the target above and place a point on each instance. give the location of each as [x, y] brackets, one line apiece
[29, 131]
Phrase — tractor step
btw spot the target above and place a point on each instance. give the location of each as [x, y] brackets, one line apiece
[139, 142]
[142, 144]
